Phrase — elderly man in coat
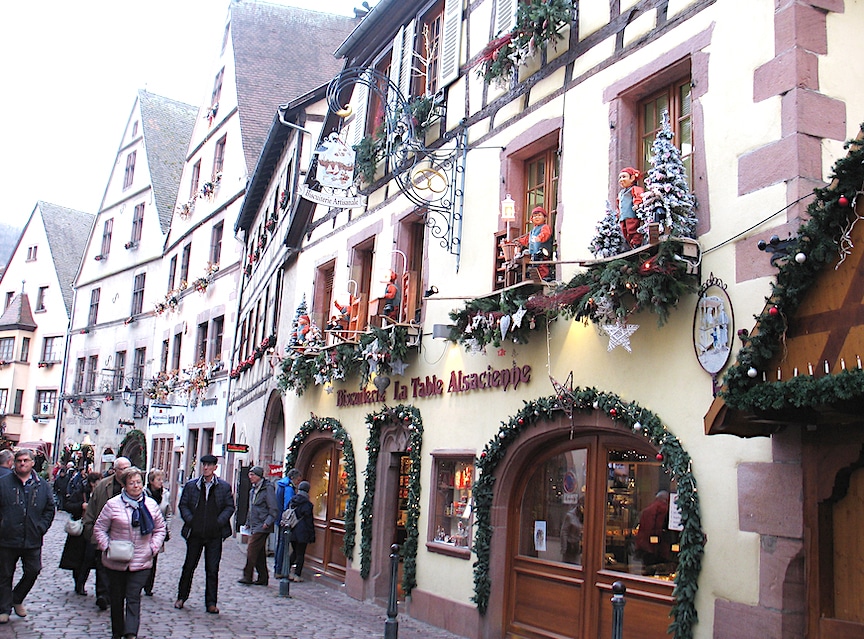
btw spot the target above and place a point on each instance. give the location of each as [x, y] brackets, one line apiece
[263, 512]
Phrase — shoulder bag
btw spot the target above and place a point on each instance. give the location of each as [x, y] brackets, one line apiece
[289, 518]
[120, 550]
[74, 527]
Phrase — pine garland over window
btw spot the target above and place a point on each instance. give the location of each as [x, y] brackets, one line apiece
[635, 419]
[410, 417]
[328, 424]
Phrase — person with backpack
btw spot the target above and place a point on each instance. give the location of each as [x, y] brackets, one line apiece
[303, 533]
[286, 488]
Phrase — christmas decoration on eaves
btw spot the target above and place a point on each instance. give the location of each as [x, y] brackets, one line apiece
[539, 23]
[328, 424]
[633, 418]
[379, 350]
[821, 241]
[410, 418]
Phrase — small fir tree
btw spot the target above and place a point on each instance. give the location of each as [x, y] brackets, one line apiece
[667, 197]
[608, 241]
[299, 327]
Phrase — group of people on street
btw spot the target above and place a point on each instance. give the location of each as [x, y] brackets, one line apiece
[120, 524]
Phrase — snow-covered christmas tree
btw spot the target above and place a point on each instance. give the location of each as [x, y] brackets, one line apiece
[667, 197]
[608, 241]
[304, 333]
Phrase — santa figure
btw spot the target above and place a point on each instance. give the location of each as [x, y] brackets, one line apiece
[629, 199]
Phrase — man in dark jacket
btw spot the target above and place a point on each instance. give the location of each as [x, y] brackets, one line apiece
[26, 514]
[206, 507]
[7, 460]
[303, 533]
[263, 511]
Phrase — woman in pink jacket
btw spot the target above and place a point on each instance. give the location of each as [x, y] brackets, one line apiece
[130, 516]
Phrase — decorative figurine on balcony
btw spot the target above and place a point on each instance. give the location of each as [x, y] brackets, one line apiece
[392, 297]
[539, 242]
[629, 199]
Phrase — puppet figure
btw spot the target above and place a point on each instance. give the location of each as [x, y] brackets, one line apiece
[301, 334]
[392, 297]
[629, 199]
[539, 242]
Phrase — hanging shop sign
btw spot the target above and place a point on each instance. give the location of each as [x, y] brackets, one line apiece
[236, 448]
[335, 170]
[332, 200]
[502, 379]
[713, 327]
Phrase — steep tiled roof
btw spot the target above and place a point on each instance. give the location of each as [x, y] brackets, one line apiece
[167, 126]
[68, 231]
[18, 316]
[280, 54]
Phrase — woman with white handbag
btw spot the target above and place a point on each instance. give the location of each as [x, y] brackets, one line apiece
[129, 532]
[79, 555]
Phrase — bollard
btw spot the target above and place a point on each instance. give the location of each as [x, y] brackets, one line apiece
[284, 582]
[391, 626]
[618, 590]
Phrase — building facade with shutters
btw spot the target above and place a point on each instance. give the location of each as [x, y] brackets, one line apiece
[530, 460]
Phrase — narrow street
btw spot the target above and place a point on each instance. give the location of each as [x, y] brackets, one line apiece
[315, 609]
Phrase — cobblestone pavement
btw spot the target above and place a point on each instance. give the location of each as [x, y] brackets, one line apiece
[316, 610]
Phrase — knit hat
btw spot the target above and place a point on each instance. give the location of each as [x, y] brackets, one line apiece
[257, 470]
[634, 173]
[304, 487]
[538, 209]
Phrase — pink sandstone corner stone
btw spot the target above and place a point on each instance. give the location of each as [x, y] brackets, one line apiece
[812, 113]
[800, 25]
[792, 68]
[770, 499]
[788, 158]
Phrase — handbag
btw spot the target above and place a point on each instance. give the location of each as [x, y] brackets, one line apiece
[120, 550]
[289, 518]
[74, 527]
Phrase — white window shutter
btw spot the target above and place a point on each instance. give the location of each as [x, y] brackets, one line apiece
[505, 16]
[407, 62]
[361, 99]
[451, 40]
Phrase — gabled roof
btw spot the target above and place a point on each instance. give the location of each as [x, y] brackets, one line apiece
[167, 127]
[18, 316]
[67, 231]
[279, 51]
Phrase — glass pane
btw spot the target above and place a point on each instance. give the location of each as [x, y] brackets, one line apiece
[552, 510]
[684, 97]
[342, 495]
[638, 535]
[319, 479]
[453, 505]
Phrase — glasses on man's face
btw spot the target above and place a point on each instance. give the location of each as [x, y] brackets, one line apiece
[24, 460]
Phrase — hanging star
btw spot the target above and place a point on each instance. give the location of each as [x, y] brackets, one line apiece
[398, 367]
[517, 317]
[502, 352]
[329, 389]
[373, 365]
[619, 334]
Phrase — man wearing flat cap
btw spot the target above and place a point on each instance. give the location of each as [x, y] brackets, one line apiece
[206, 507]
[263, 511]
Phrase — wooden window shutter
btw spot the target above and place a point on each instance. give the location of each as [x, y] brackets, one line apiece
[451, 41]
[505, 16]
[407, 60]
[361, 97]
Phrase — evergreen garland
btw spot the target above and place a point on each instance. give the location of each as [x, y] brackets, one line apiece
[633, 418]
[410, 417]
[830, 215]
[328, 424]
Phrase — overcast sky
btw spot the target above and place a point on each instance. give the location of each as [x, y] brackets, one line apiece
[70, 73]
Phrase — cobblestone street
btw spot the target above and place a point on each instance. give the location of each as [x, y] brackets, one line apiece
[315, 610]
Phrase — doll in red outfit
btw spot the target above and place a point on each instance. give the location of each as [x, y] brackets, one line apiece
[539, 242]
[391, 296]
[629, 199]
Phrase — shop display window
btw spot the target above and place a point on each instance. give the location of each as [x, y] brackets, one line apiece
[452, 504]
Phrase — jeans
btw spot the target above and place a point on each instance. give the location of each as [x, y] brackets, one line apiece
[126, 600]
[256, 558]
[212, 548]
[31, 559]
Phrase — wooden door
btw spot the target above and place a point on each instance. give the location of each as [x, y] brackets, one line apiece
[328, 493]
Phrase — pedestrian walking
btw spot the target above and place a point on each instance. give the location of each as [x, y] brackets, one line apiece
[157, 491]
[26, 514]
[107, 488]
[7, 461]
[206, 507]
[263, 511]
[286, 488]
[79, 554]
[129, 532]
[303, 533]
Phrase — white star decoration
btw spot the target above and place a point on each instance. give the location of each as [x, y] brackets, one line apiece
[619, 334]
[398, 366]
[517, 317]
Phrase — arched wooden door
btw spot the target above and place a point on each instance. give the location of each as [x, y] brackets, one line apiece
[574, 529]
[329, 495]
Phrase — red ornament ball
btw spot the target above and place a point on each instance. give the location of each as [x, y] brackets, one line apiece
[843, 200]
[612, 412]
[659, 456]
[483, 455]
[521, 422]
[773, 310]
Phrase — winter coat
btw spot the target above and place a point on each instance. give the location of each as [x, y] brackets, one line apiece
[78, 552]
[115, 522]
[285, 490]
[263, 509]
[304, 531]
[192, 491]
[20, 527]
[104, 490]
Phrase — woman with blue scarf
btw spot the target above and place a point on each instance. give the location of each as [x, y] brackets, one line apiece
[132, 517]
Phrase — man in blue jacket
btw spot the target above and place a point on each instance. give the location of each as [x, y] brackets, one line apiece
[26, 514]
[286, 488]
[206, 507]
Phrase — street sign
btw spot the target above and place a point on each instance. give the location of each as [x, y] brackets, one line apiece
[236, 448]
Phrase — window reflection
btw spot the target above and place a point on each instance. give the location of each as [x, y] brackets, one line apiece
[553, 509]
[319, 480]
